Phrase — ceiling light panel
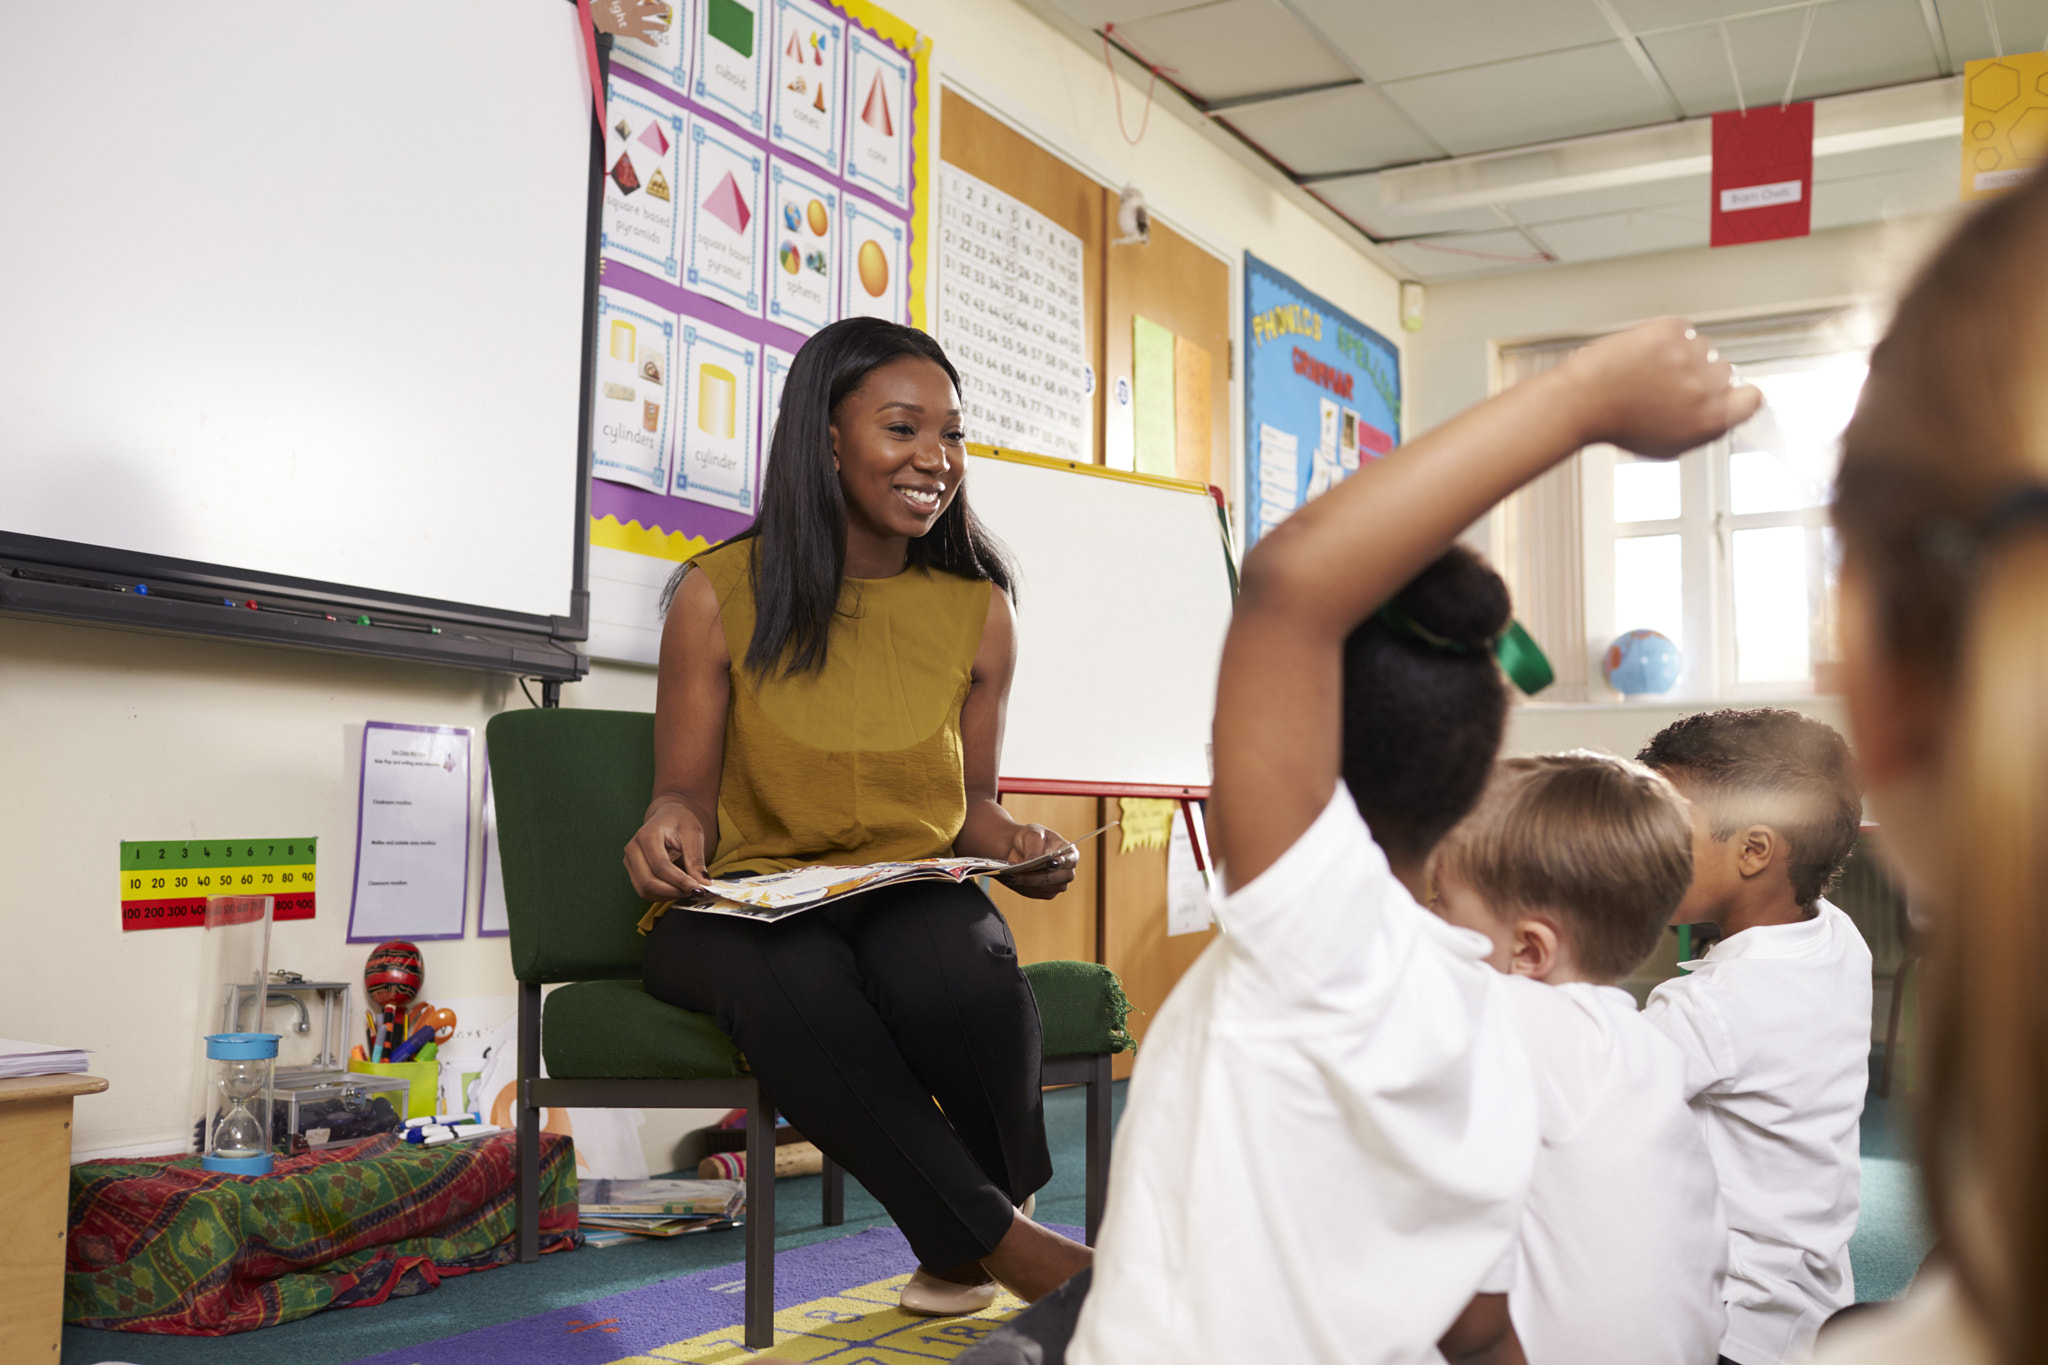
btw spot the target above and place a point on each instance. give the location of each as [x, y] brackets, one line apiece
[1358, 198]
[1855, 45]
[1391, 39]
[1883, 198]
[1534, 99]
[1233, 48]
[1335, 130]
[1657, 195]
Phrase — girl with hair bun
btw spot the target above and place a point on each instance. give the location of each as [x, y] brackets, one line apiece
[832, 690]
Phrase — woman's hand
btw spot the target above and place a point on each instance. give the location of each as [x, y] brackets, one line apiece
[1032, 841]
[666, 858]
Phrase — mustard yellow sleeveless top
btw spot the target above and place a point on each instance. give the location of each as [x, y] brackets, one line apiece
[861, 761]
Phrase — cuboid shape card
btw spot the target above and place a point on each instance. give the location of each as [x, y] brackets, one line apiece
[630, 417]
[720, 379]
[877, 118]
[803, 271]
[726, 230]
[871, 282]
[732, 60]
[810, 50]
[667, 57]
[646, 187]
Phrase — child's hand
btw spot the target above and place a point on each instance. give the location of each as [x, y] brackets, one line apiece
[1658, 389]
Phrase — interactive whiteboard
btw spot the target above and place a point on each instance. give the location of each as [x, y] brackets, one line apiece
[296, 301]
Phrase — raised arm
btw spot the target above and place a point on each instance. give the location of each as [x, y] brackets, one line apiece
[1656, 389]
[990, 831]
[679, 833]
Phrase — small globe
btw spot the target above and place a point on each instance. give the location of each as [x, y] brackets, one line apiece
[1641, 663]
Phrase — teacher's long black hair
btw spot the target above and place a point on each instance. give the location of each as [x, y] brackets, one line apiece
[801, 558]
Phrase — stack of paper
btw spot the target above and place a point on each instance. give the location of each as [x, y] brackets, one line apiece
[658, 1208]
[1279, 476]
[37, 1059]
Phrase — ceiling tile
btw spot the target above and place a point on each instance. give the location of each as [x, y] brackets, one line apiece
[1234, 47]
[1359, 199]
[1093, 14]
[1391, 39]
[1646, 16]
[1883, 197]
[1601, 236]
[1338, 130]
[1462, 254]
[1622, 199]
[1855, 44]
[2022, 27]
[1939, 160]
[1535, 99]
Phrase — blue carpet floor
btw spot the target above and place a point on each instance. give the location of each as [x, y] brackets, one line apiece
[1890, 1242]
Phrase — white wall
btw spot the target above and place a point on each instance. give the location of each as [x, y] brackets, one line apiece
[108, 735]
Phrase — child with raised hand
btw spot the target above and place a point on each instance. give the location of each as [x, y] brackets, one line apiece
[1325, 1149]
[1774, 1021]
[1570, 866]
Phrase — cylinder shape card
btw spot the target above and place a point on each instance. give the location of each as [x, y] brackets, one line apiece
[622, 340]
[717, 401]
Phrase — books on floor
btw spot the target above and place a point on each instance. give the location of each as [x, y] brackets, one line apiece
[18, 1058]
[660, 1199]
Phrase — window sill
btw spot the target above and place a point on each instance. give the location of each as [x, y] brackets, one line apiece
[1746, 700]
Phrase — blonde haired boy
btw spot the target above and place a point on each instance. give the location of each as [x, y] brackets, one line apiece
[1570, 865]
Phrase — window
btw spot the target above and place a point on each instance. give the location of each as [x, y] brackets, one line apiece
[1725, 550]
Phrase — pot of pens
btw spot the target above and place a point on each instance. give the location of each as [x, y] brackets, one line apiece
[402, 1033]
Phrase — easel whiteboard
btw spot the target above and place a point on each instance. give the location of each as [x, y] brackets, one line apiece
[1123, 598]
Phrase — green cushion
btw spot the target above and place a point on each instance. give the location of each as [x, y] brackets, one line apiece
[612, 1029]
[1081, 1007]
[570, 787]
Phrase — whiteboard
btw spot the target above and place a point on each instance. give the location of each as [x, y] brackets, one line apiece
[299, 290]
[1123, 597]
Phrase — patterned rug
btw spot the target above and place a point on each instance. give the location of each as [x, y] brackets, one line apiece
[835, 1301]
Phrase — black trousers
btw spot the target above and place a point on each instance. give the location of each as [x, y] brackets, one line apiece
[856, 1017]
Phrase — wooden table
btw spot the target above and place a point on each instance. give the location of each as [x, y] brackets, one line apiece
[35, 1183]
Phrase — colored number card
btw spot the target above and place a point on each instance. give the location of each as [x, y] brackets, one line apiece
[165, 882]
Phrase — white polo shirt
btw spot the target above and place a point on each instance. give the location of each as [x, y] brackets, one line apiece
[1328, 1136]
[1774, 1024]
[1623, 1243]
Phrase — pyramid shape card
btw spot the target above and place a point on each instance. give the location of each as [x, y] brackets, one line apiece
[877, 135]
[733, 52]
[805, 118]
[803, 284]
[646, 184]
[726, 243]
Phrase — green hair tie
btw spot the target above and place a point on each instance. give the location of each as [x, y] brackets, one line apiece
[1520, 657]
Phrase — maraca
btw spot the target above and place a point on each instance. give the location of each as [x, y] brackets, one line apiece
[393, 974]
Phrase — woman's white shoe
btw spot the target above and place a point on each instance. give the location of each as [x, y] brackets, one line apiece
[937, 1298]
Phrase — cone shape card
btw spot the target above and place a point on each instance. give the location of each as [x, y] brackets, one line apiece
[875, 113]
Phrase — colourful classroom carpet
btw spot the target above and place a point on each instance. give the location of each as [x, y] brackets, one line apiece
[835, 1301]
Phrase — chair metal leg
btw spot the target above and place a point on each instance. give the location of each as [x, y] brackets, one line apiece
[1098, 1147]
[835, 1193]
[527, 1180]
[760, 1229]
[1891, 1030]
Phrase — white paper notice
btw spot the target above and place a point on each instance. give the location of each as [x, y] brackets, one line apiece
[1187, 887]
[491, 917]
[1011, 317]
[412, 833]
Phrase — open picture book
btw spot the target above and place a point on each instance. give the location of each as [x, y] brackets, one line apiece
[775, 895]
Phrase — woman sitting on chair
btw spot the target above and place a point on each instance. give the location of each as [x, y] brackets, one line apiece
[832, 690]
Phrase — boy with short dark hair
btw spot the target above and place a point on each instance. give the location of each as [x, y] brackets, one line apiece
[1570, 865]
[1774, 1021]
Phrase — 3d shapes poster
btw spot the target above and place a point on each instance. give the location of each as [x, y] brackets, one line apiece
[810, 52]
[726, 231]
[665, 493]
[2005, 122]
[878, 119]
[720, 376]
[732, 60]
[803, 288]
[630, 417]
[1322, 392]
[645, 188]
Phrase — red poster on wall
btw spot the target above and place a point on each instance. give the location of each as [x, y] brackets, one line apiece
[1763, 174]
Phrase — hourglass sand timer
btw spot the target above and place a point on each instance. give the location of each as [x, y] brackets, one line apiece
[240, 1066]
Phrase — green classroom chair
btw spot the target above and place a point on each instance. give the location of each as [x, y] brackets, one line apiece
[570, 787]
